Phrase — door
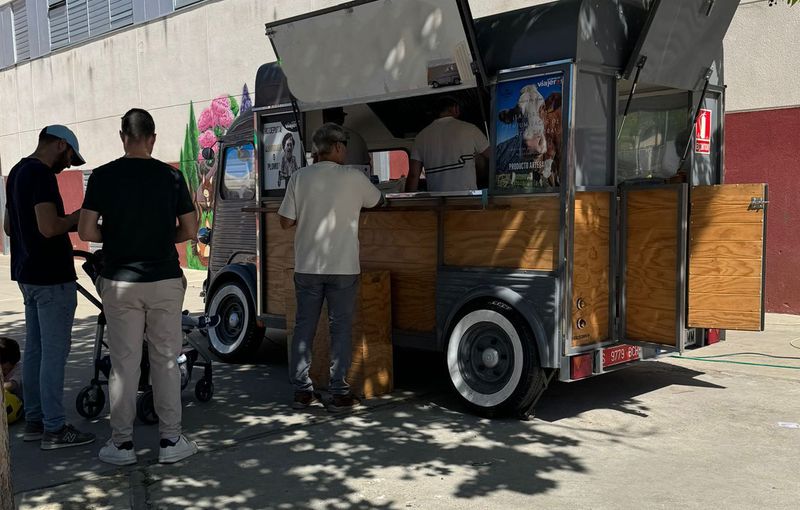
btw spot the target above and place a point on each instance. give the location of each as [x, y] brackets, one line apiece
[376, 49]
[234, 233]
[652, 283]
[726, 256]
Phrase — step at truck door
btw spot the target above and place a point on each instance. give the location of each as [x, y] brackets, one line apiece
[727, 234]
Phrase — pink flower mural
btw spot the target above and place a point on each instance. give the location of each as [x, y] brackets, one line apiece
[207, 140]
[206, 120]
[200, 174]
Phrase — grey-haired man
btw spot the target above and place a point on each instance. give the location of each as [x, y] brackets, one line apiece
[324, 202]
[42, 265]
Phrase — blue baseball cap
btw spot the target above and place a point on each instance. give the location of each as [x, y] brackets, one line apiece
[68, 136]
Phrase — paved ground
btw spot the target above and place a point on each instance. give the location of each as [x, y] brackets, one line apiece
[667, 434]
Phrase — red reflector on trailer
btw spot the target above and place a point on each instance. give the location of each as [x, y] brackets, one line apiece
[712, 337]
[581, 366]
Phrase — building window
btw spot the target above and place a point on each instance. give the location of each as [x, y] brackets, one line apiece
[184, 3]
[72, 21]
[21, 43]
[59, 23]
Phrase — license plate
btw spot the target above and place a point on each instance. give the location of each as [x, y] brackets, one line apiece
[621, 354]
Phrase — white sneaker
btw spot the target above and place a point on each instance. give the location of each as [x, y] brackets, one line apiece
[174, 452]
[113, 454]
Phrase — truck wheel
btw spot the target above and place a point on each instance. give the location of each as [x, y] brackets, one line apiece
[435, 84]
[492, 360]
[237, 334]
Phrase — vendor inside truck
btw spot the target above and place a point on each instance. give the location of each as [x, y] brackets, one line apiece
[455, 154]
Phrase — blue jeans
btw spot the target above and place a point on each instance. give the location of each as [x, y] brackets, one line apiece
[49, 312]
[340, 293]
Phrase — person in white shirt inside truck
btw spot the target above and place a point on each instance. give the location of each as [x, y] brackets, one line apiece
[323, 201]
[357, 153]
[454, 153]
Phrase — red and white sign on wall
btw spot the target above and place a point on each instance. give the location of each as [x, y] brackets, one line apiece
[702, 133]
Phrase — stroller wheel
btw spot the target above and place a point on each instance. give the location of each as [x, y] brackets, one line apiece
[204, 390]
[91, 400]
[146, 409]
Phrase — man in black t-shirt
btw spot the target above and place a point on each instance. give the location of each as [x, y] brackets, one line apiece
[42, 266]
[140, 200]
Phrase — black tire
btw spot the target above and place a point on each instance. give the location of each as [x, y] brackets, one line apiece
[457, 81]
[146, 409]
[435, 84]
[90, 401]
[237, 335]
[492, 360]
[204, 390]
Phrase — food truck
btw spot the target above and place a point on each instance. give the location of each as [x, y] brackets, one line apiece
[605, 235]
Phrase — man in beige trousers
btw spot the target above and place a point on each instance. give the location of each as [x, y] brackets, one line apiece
[140, 200]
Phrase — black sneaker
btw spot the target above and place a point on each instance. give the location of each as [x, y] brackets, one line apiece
[343, 403]
[68, 436]
[33, 431]
[304, 399]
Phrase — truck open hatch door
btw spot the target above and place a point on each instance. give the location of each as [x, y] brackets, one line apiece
[680, 40]
[727, 231]
[373, 50]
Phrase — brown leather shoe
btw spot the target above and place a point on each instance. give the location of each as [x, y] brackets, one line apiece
[304, 399]
[343, 403]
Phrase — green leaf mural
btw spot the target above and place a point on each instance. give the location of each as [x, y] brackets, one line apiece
[234, 106]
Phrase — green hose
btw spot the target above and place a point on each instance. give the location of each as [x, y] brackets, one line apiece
[734, 362]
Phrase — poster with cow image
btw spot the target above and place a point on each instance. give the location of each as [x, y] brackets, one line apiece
[529, 133]
[282, 153]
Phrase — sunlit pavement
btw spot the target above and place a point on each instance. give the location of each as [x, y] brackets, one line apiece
[667, 434]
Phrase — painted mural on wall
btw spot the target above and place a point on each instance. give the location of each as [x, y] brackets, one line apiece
[204, 132]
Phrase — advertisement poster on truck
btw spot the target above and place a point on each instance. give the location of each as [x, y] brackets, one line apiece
[529, 132]
[282, 153]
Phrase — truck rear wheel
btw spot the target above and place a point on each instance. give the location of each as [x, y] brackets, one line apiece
[237, 334]
[492, 360]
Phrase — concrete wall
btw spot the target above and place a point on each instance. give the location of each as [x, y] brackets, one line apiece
[762, 57]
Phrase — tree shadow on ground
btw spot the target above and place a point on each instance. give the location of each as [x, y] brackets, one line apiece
[258, 453]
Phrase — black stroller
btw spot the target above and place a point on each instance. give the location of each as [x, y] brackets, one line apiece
[91, 399]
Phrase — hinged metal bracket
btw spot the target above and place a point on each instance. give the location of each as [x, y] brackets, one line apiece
[757, 204]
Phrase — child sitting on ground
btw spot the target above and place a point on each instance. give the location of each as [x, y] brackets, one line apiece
[12, 377]
[12, 368]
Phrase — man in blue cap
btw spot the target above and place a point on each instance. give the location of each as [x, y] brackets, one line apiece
[42, 265]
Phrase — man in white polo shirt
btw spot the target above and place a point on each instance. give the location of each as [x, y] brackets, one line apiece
[324, 202]
[454, 153]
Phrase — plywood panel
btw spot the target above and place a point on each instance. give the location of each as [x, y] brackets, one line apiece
[745, 286]
[405, 243]
[371, 370]
[591, 267]
[734, 251]
[651, 269]
[726, 245]
[524, 236]
[279, 252]
[401, 242]
[711, 232]
[717, 266]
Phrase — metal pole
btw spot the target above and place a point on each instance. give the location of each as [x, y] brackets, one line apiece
[639, 66]
[695, 114]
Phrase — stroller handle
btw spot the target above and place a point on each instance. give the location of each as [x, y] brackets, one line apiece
[86, 255]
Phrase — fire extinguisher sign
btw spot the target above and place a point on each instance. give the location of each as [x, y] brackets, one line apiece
[702, 133]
